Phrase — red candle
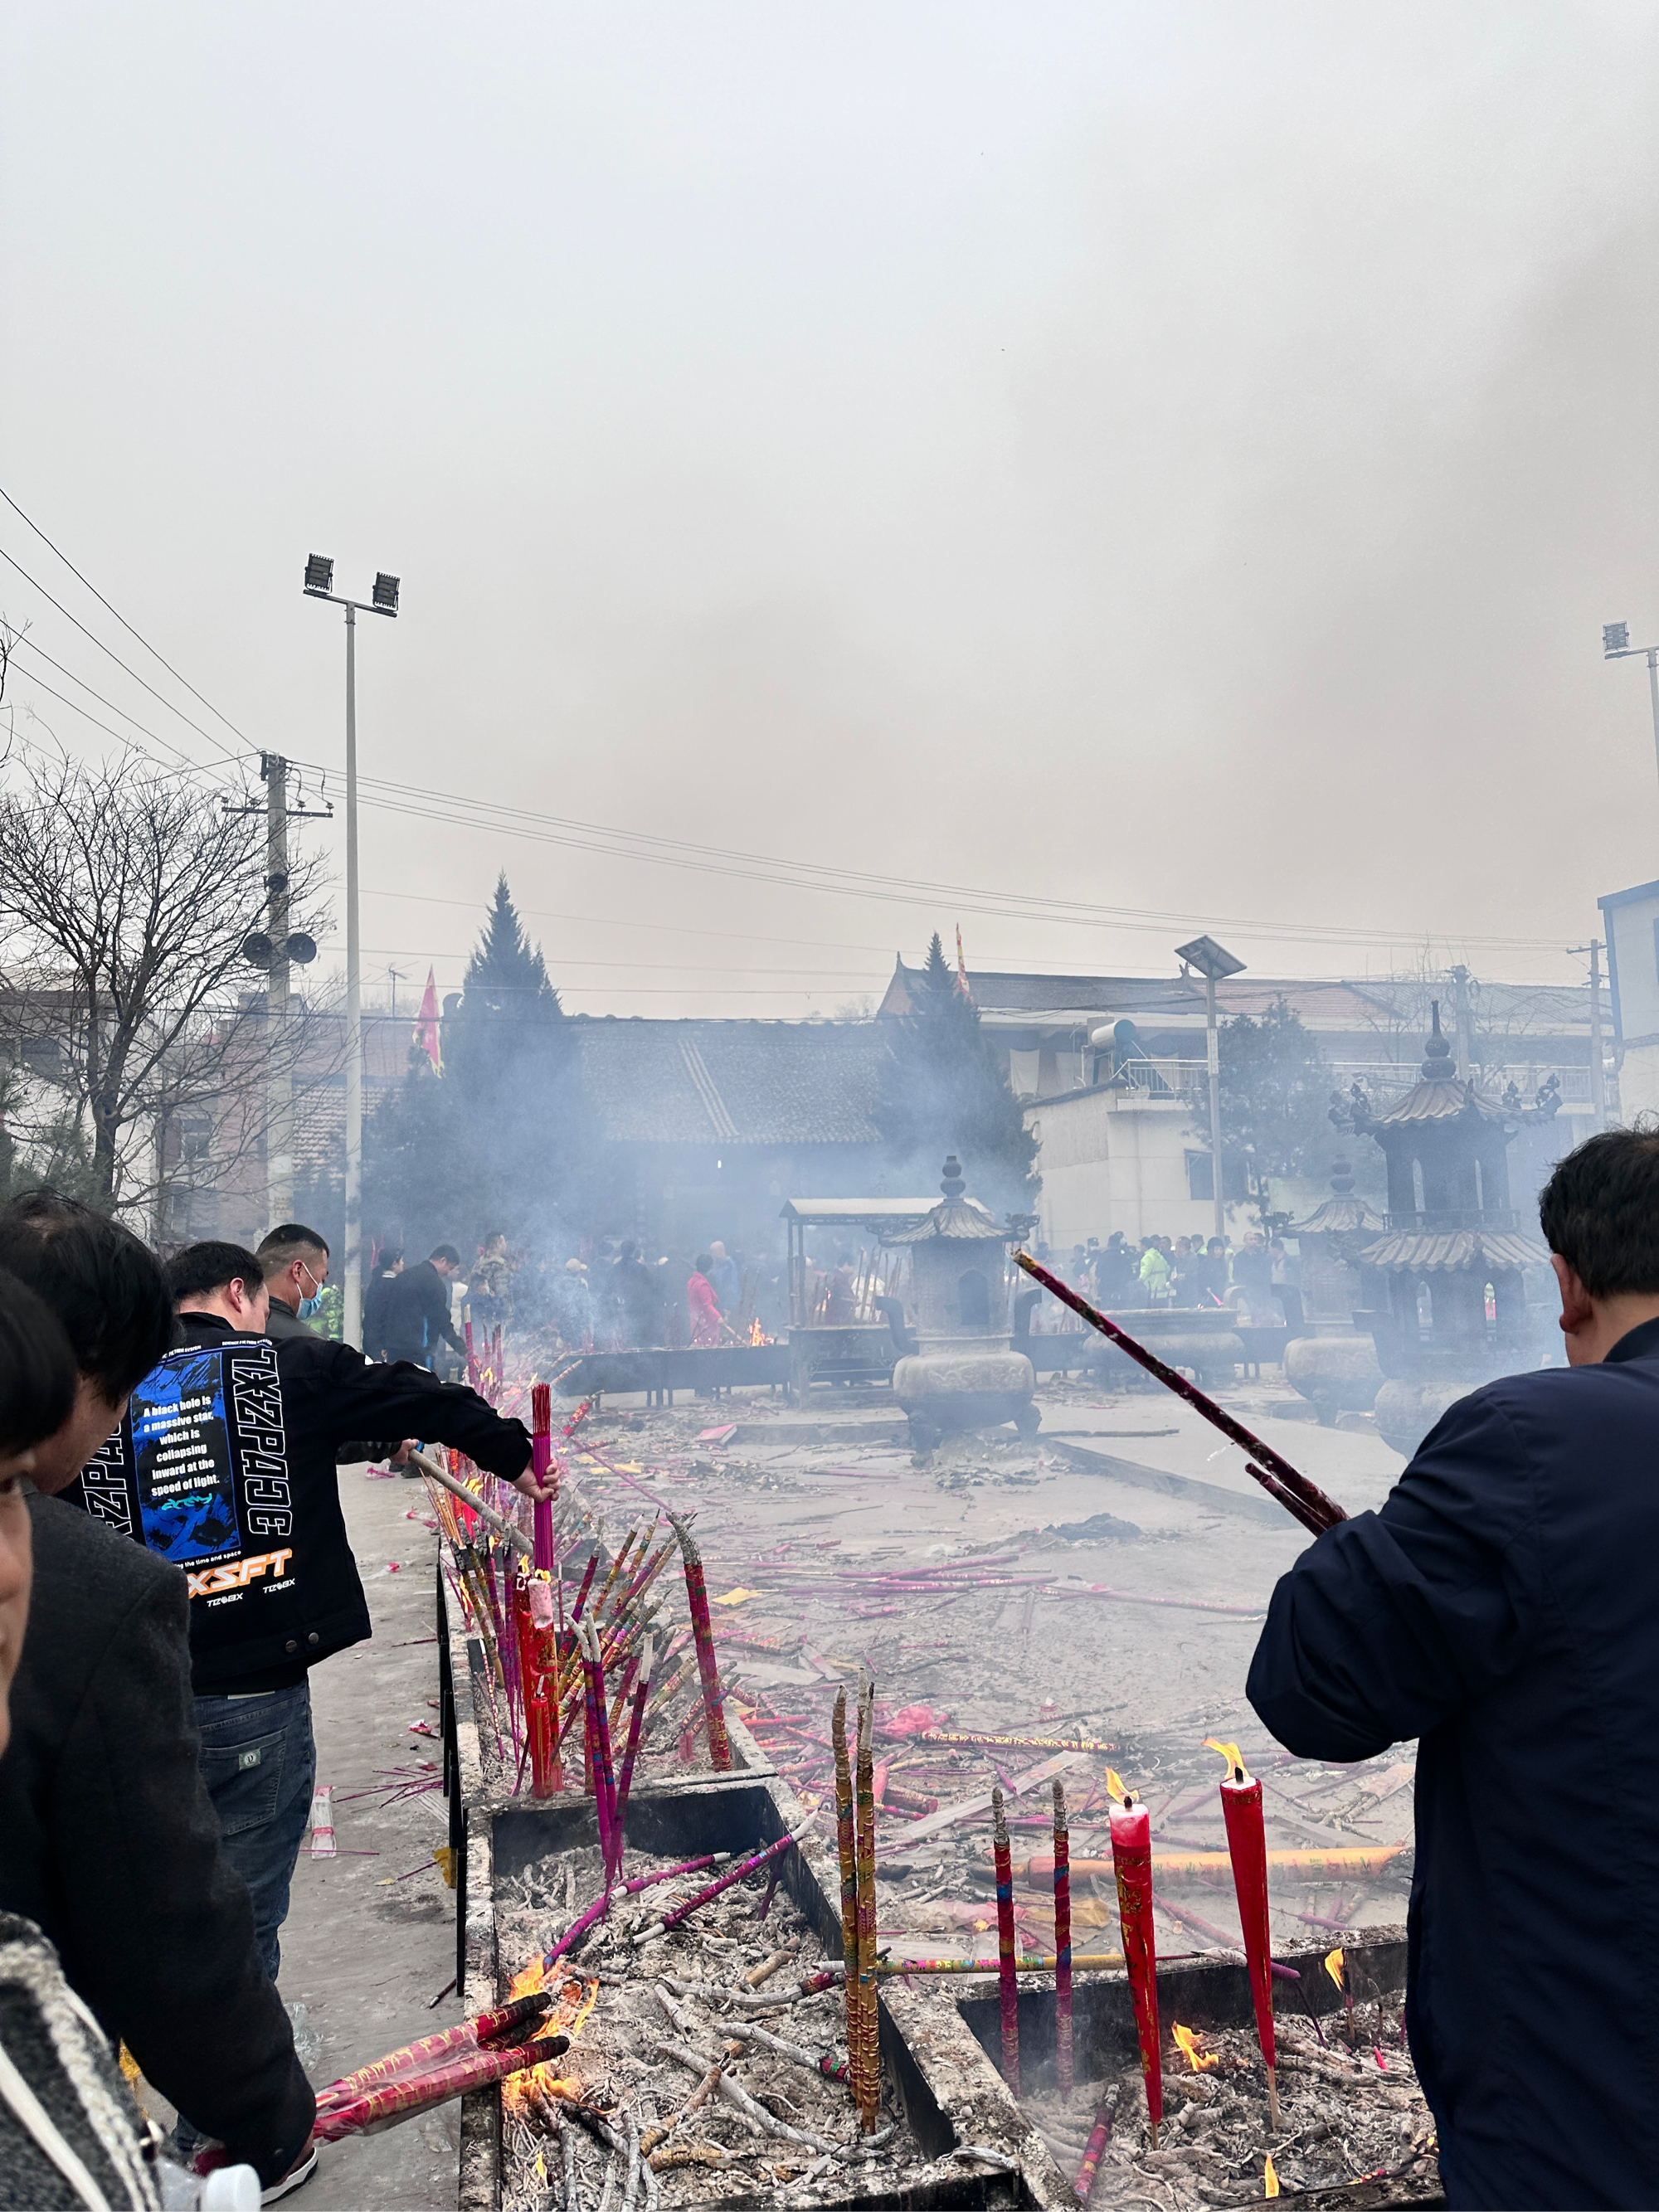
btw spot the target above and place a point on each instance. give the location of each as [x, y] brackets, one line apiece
[1132, 1863]
[541, 1689]
[1247, 1846]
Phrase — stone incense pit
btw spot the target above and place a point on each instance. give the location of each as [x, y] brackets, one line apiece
[954, 2137]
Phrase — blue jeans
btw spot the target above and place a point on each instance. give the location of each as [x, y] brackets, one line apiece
[259, 1762]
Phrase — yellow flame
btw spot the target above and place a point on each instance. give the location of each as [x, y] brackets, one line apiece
[1269, 2177]
[1231, 1752]
[1115, 1788]
[1334, 1965]
[1197, 2059]
[572, 2005]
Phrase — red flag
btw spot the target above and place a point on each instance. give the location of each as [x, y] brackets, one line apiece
[426, 1027]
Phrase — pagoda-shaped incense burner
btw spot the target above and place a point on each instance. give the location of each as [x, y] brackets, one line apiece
[1334, 1364]
[966, 1374]
[1453, 1250]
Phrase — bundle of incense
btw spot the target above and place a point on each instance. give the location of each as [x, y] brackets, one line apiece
[539, 1665]
[1013, 1742]
[869, 2082]
[1132, 1858]
[413, 2058]
[625, 1780]
[696, 1594]
[1062, 1947]
[605, 1792]
[897, 1800]
[1042, 1963]
[751, 1865]
[1009, 1988]
[602, 1904]
[469, 2070]
[1246, 1845]
[846, 1847]
[1099, 2135]
[1304, 1499]
[503, 1528]
[541, 1459]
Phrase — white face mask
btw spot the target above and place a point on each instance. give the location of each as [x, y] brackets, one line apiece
[313, 1304]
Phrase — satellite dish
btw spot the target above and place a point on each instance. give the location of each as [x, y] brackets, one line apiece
[256, 950]
[301, 948]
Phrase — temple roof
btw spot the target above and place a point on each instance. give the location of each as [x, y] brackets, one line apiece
[1346, 1215]
[1439, 1096]
[957, 1219]
[1414, 1252]
[732, 1082]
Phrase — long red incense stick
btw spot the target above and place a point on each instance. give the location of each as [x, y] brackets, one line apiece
[1306, 1500]
[625, 1780]
[588, 1580]
[451, 2077]
[846, 1847]
[1008, 1987]
[540, 1669]
[691, 1904]
[541, 1459]
[595, 1775]
[1062, 1947]
[697, 1594]
[1100, 1962]
[868, 2016]
[1099, 2135]
[602, 1904]
[604, 1788]
[1246, 1845]
[1014, 1742]
[411, 2057]
[1131, 1860]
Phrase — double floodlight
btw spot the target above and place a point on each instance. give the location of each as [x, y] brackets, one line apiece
[319, 585]
[1615, 638]
[1212, 961]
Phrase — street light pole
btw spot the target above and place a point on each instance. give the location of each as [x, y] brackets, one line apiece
[319, 585]
[1616, 646]
[1212, 962]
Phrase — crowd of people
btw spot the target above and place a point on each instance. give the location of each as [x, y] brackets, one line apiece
[1259, 1276]
[174, 1562]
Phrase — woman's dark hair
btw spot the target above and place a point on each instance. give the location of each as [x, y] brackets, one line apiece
[37, 1381]
[105, 1289]
[1599, 1211]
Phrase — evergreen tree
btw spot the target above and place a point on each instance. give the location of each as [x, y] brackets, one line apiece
[1274, 1090]
[503, 1138]
[943, 1089]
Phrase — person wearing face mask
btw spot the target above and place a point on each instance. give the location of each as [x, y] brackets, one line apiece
[295, 1263]
[108, 1841]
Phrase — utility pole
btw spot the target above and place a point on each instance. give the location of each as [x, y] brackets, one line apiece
[1598, 1066]
[1212, 962]
[319, 585]
[276, 950]
[1460, 977]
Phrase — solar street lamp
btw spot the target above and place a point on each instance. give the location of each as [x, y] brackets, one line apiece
[1213, 962]
[1616, 646]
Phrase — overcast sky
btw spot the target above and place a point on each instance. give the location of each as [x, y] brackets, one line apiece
[1172, 458]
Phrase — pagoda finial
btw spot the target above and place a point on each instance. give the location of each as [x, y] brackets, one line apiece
[953, 1185]
[1438, 1059]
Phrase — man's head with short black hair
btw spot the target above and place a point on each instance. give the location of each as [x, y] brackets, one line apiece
[1599, 1213]
[295, 1263]
[109, 1296]
[213, 1277]
[444, 1255]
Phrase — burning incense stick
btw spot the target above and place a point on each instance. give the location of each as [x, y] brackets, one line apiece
[413, 2058]
[541, 1459]
[1012, 1742]
[697, 1594]
[1100, 2135]
[1062, 1946]
[602, 1904]
[846, 1846]
[503, 1528]
[606, 1791]
[1132, 1856]
[1343, 1863]
[1009, 1988]
[1247, 1844]
[869, 2085]
[751, 1865]
[625, 1781]
[1311, 1507]
[395, 2100]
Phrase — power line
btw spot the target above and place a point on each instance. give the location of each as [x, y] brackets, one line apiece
[29, 645]
[122, 619]
[158, 695]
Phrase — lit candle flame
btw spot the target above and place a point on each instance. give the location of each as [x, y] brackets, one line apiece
[1232, 1753]
[1115, 1788]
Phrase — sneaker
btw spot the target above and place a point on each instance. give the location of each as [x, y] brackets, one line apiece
[296, 2178]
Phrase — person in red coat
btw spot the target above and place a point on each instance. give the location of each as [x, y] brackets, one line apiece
[701, 1304]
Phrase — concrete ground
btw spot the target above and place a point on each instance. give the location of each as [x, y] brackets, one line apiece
[370, 1939]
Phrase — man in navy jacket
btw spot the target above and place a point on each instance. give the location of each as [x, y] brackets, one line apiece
[1501, 1608]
